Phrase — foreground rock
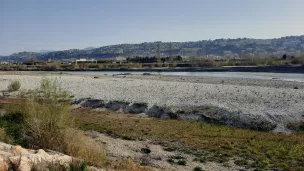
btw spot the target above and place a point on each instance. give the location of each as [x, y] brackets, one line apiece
[20, 159]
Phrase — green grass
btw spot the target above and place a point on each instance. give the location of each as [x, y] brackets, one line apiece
[213, 142]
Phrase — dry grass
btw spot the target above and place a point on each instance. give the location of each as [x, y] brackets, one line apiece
[126, 165]
[214, 142]
[80, 146]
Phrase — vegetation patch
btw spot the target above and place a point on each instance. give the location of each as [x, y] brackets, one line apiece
[211, 142]
[241, 162]
[197, 168]
[177, 160]
[14, 86]
[41, 119]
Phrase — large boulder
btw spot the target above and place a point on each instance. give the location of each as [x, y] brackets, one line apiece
[18, 150]
[92, 103]
[116, 105]
[3, 165]
[136, 108]
[22, 159]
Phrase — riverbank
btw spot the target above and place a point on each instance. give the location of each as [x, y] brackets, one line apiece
[270, 69]
[183, 145]
[239, 102]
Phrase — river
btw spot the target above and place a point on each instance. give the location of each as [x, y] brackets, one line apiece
[250, 75]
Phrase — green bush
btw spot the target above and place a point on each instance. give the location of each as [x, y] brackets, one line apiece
[197, 168]
[14, 86]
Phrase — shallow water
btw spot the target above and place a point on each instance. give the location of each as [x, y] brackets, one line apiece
[251, 75]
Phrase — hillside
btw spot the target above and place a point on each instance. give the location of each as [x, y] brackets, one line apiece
[219, 47]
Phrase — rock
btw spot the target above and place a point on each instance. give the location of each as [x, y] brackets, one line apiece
[135, 108]
[5, 147]
[145, 150]
[41, 159]
[3, 166]
[5, 94]
[92, 103]
[116, 105]
[21, 163]
[18, 150]
[5, 155]
[21, 159]
[91, 168]
[42, 153]
[155, 111]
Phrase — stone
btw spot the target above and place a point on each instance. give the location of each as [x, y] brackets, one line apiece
[116, 105]
[92, 103]
[5, 155]
[22, 163]
[3, 166]
[18, 150]
[136, 108]
[145, 150]
[155, 111]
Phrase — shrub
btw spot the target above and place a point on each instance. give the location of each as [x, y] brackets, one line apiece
[197, 168]
[4, 137]
[40, 120]
[12, 123]
[182, 162]
[50, 91]
[14, 86]
[177, 160]
[241, 162]
[297, 60]
[45, 124]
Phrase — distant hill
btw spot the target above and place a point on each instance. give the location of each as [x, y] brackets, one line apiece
[218, 47]
[89, 48]
[45, 51]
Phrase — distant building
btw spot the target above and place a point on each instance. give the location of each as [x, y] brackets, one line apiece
[83, 60]
[67, 61]
[121, 59]
[4, 63]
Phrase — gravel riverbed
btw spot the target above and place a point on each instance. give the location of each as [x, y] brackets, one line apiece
[277, 101]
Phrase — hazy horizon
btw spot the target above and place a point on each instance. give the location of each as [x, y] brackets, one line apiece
[53, 50]
[35, 25]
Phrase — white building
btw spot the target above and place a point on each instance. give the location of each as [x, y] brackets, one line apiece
[83, 60]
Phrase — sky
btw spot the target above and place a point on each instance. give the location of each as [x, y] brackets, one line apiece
[34, 25]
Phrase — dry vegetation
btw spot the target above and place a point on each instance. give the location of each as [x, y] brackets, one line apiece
[208, 142]
[42, 120]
